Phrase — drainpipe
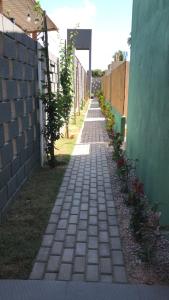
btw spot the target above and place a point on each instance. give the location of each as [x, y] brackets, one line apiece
[40, 105]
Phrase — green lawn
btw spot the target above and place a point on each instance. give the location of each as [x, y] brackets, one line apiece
[21, 232]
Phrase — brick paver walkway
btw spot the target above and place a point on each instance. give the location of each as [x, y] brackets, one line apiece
[82, 241]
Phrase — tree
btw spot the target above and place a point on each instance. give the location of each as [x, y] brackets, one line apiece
[66, 81]
[119, 56]
[97, 73]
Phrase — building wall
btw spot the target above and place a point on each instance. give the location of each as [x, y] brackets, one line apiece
[19, 124]
[148, 120]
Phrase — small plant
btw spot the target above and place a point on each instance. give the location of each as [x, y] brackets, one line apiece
[107, 112]
[66, 82]
[144, 221]
[124, 168]
[117, 143]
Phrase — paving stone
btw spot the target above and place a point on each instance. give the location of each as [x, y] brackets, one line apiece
[104, 250]
[103, 225]
[47, 240]
[70, 241]
[112, 220]
[101, 200]
[93, 220]
[111, 212]
[102, 208]
[82, 236]
[93, 242]
[78, 277]
[103, 237]
[65, 214]
[78, 189]
[115, 243]
[92, 273]
[53, 218]
[53, 263]
[93, 196]
[77, 195]
[57, 248]
[85, 199]
[51, 228]
[75, 210]
[60, 235]
[114, 231]
[79, 264]
[56, 209]
[102, 216]
[86, 187]
[73, 219]
[110, 204]
[72, 229]
[82, 224]
[93, 211]
[62, 224]
[84, 206]
[92, 257]
[65, 272]
[68, 255]
[105, 266]
[43, 254]
[93, 230]
[50, 276]
[106, 278]
[38, 270]
[80, 249]
[117, 257]
[83, 215]
[119, 274]
[68, 199]
[66, 205]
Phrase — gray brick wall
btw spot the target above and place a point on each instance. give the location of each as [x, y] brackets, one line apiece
[19, 127]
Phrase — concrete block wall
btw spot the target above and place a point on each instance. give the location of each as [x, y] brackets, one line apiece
[19, 114]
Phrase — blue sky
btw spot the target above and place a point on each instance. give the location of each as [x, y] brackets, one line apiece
[109, 20]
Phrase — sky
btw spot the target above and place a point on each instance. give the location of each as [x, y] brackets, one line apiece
[110, 21]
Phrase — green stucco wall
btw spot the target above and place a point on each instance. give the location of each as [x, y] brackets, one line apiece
[120, 121]
[148, 108]
[117, 116]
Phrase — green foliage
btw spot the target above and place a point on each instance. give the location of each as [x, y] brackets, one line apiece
[107, 111]
[53, 108]
[144, 220]
[118, 56]
[66, 80]
[97, 73]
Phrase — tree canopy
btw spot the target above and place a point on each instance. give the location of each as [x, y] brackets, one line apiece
[97, 73]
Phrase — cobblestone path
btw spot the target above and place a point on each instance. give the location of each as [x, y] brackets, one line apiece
[82, 240]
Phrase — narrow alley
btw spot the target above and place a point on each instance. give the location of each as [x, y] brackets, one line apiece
[82, 240]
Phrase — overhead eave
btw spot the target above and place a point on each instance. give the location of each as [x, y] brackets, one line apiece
[18, 11]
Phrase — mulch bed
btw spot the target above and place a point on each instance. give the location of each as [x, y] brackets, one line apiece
[156, 272]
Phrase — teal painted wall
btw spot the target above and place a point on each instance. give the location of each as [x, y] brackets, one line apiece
[119, 125]
[148, 108]
[117, 116]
